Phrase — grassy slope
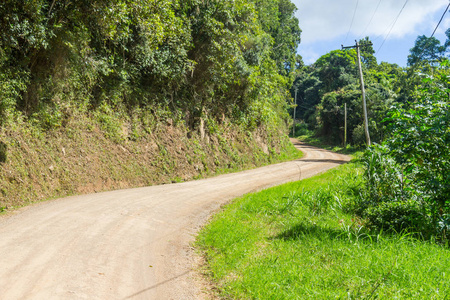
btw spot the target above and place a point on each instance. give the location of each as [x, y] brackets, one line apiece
[296, 242]
[84, 157]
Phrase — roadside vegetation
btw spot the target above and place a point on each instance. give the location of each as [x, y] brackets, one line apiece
[406, 175]
[98, 95]
[406, 170]
[377, 228]
[302, 240]
[326, 86]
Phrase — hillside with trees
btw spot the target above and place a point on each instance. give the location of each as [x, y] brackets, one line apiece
[202, 84]
[406, 181]
[325, 86]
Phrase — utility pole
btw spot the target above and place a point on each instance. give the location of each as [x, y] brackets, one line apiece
[366, 122]
[345, 124]
[295, 107]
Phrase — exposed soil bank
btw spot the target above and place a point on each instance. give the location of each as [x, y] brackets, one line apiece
[80, 158]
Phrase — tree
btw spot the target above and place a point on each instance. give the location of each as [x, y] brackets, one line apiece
[427, 50]
[277, 19]
[337, 69]
[332, 81]
[193, 58]
[367, 53]
[308, 85]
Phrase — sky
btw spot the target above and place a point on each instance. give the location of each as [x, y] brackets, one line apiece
[328, 24]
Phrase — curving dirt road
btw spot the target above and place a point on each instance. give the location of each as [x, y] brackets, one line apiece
[127, 244]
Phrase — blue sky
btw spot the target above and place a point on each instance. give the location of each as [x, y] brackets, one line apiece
[326, 24]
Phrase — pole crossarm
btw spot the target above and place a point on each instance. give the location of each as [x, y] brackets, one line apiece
[357, 45]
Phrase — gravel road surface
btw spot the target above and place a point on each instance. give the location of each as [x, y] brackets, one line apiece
[127, 244]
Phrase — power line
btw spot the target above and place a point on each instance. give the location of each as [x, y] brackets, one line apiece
[448, 6]
[373, 39]
[428, 40]
[393, 25]
[371, 19]
[353, 18]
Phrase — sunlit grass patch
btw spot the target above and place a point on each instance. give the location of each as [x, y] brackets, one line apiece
[295, 242]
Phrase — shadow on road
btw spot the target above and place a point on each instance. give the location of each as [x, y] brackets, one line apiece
[156, 285]
[334, 161]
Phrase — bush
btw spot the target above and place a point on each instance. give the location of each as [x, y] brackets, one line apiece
[358, 135]
[398, 216]
[301, 128]
[388, 198]
[407, 180]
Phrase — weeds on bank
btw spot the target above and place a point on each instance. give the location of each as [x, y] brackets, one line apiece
[297, 241]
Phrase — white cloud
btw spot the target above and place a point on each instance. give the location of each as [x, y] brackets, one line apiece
[309, 54]
[322, 20]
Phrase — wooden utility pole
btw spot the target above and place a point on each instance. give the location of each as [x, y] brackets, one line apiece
[345, 125]
[295, 110]
[366, 122]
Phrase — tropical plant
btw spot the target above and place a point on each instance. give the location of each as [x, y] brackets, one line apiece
[408, 178]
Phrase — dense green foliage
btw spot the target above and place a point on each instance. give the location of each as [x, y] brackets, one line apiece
[428, 50]
[180, 59]
[408, 177]
[333, 81]
[406, 181]
[296, 242]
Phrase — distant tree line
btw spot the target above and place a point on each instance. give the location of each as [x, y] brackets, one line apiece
[332, 81]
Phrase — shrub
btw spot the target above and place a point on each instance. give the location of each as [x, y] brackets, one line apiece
[407, 180]
[389, 198]
[398, 216]
[358, 135]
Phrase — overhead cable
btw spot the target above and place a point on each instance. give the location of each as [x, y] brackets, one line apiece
[353, 18]
[392, 25]
[448, 6]
[371, 19]
[429, 39]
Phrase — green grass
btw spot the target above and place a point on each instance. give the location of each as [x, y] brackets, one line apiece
[295, 241]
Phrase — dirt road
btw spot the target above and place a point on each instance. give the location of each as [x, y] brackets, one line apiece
[127, 244]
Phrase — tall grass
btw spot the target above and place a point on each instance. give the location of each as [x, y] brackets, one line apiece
[297, 242]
